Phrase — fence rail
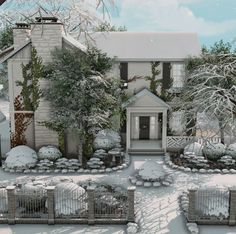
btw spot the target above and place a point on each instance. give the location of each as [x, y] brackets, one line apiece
[212, 206]
[51, 206]
[179, 142]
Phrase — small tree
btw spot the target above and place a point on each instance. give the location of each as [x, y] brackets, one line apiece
[83, 98]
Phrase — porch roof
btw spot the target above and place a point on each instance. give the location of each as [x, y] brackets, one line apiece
[145, 98]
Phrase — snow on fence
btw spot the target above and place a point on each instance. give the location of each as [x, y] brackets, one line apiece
[212, 206]
[179, 142]
[60, 206]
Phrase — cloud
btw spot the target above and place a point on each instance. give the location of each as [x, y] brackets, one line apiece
[168, 15]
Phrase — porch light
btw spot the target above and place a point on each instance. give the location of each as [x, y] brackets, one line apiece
[125, 85]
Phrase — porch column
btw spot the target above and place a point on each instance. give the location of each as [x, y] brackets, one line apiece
[128, 124]
[164, 129]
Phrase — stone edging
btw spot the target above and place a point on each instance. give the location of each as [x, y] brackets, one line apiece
[79, 171]
[194, 170]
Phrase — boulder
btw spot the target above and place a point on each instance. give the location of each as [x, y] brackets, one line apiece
[49, 152]
[195, 148]
[106, 139]
[213, 151]
[231, 150]
[132, 228]
[21, 157]
[69, 199]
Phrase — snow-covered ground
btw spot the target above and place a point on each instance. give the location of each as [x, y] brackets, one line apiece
[159, 208]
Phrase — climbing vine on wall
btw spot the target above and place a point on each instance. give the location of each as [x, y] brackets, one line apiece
[29, 97]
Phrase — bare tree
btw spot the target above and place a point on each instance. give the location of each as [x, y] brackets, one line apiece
[211, 89]
[76, 15]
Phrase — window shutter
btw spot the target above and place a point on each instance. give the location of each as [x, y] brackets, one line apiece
[124, 71]
[166, 84]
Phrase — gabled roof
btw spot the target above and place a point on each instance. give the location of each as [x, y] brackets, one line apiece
[14, 52]
[145, 93]
[148, 46]
[72, 42]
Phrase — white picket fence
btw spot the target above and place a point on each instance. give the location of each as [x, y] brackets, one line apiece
[181, 141]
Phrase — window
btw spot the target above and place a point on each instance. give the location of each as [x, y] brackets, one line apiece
[124, 71]
[178, 74]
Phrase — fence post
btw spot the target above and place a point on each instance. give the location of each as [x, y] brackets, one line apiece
[50, 203]
[11, 199]
[232, 206]
[131, 216]
[192, 205]
[91, 205]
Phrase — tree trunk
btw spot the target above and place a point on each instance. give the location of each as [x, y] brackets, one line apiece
[80, 150]
[222, 134]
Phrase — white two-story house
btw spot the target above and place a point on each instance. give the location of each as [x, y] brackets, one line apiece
[147, 114]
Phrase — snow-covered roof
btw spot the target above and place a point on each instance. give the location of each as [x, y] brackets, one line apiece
[6, 51]
[151, 99]
[14, 51]
[71, 41]
[148, 46]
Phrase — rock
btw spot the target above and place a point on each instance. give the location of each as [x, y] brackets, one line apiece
[132, 228]
[225, 171]
[165, 183]
[210, 171]
[57, 170]
[108, 170]
[193, 228]
[81, 170]
[156, 184]
[64, 171]
[71, 171]
[94, 171]
[49, 152]
[231, 150]
[133, 180]
[213, 151]
[114, 168]
[21, 157]
[195, 148]
[202, 170]
[217, 171]
[194, 170]
[106, 139]
[187, 169]
[147, 184]
[139, 183]
[12, 171]
[233, 171]
[27, 171]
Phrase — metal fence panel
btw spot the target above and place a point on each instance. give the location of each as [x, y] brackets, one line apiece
[70, 204]
[212, 204]
[110, 205]
[3, 203]
[31, 204]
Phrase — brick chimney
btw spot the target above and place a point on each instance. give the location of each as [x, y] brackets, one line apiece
[46, 35]
[21, 33]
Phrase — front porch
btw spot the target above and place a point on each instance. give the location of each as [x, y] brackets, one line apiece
[146, 126]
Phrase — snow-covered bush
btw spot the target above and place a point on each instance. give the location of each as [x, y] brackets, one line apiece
[227, 160]
[132, 228]
[69, 199]
[95, 163]
[195, 148]
[101, 153]
[21, 157]
[106, 139]
[49, 152]
[213, 151]
[65, 163]
[231, 150]
[45, 164]
[151, 171]
[32, 195]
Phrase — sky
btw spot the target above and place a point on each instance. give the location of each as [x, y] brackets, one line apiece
[211, 19]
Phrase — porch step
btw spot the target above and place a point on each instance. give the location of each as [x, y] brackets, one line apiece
[146, 151]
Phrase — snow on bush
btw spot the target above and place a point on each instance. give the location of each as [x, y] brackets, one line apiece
[151, 171]
[132, 228]
[213, 151]
[32, 195]
[69, 199]
[3, 200]
[195, 148]
[49, 152]
[21, 157]
[106, 139]
[231, 150]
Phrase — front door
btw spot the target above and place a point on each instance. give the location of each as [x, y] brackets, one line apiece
[144, 127]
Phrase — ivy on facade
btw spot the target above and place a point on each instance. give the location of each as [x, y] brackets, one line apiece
[28, 99]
